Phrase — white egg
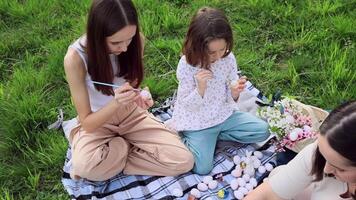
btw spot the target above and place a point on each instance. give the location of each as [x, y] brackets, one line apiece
[246, 177]
[177, 192]
[238, 167]
[236, 173]
[237, 160]
[261, 169]
[293, 135]
[307, 128]
[253, 182]
[207, 179]
[195, 192]
[234, 184]
[253, 158]
[241, 182]
[258, 154]
[145, 94]
[256, 163]
[249, 186]
[289, 118]
[213, 184]
[269, 167]
[202, 187]
[243, 190]
[249, 170]
[238, 195]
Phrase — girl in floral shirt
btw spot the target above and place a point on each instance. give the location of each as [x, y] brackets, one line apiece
[208, 89]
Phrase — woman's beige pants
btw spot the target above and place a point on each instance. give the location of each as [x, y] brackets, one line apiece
[133, 142]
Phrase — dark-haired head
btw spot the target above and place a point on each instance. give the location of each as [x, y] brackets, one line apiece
[207, 25]
[106, 18]
[336, 152]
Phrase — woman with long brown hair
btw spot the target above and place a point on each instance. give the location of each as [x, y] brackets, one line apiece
[114, 132]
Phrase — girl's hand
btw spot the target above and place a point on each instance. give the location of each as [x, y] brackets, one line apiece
[125, 95]
[145, 100]
[202, 78]
[238, 87]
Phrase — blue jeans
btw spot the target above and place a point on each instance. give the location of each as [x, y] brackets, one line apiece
[240, 127]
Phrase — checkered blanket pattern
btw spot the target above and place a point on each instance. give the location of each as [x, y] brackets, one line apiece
[153, 187]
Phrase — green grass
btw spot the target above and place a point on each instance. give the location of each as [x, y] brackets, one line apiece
[305, 48]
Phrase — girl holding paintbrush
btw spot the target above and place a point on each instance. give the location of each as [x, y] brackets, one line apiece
[113, 132]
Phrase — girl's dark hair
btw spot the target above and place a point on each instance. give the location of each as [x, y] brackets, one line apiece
[339, 128]
[206, 25]
[106, 17]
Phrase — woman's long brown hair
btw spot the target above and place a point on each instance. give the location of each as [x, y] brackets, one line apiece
[106, 17]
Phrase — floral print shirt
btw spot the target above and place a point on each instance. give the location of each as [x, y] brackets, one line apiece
[193, 112]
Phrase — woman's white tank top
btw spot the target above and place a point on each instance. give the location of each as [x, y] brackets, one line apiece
[97, 99]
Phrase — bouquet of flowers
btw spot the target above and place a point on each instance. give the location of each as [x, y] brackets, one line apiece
[289, 122]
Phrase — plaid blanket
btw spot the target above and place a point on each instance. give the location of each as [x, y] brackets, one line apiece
[153, 187]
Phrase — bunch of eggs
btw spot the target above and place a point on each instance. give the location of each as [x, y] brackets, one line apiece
[244, 173]
[243, 181]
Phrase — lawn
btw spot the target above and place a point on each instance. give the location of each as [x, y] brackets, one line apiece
[304, 48]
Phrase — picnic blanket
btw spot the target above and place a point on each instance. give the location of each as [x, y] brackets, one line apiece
[154, 187]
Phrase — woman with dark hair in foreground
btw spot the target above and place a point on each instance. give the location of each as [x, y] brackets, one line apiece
[327, 167]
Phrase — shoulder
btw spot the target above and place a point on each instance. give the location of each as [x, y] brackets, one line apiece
[183, 63]
[184, 69]
[308, 151]
[230, 57]
[73, 62]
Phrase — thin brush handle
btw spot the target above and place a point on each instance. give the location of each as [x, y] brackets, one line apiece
[112, 85]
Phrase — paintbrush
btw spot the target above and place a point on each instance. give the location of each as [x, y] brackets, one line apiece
[114, 86]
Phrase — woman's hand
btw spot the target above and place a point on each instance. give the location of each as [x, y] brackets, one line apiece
[238, 87]
[202, 78]
[125, 94]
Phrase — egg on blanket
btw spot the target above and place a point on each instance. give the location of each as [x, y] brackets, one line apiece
[258, 154]
[213, 184]
[269, 167]
[234, 184]
[249, 170]
[246, 177]
[261, 169]
[253, 182]
[256, 163]
[238, 194]
[202, 187]
[207, 179]
[241, 182]
[236, 173]
[237, 160]
[177, 192]
[195, 192]
[249, 186]
[243, 190]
